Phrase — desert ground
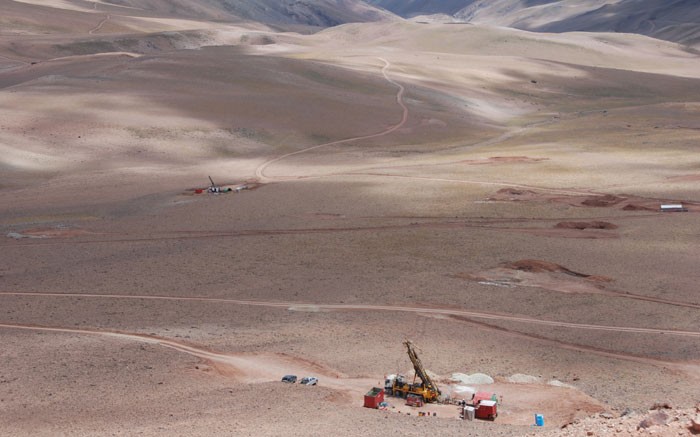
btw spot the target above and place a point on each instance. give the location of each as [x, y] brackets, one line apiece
[491, 194]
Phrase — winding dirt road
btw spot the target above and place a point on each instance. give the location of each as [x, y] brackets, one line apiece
[268, 367]
[251, 368]
[300, 306]
[263, 178]
[260, 171]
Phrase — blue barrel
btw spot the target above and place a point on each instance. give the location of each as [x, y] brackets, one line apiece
[539, 420]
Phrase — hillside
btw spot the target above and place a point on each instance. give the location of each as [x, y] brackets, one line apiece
[41, 17]
[411, 8]
[675, 20]
[194, 204]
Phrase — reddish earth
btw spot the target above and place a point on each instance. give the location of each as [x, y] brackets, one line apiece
[555, 277]
[585, 225]
[606, 200]
[563, 233]
[536, 266]
[192, 308]
[515, 194]
[623, 202]
[543, 274]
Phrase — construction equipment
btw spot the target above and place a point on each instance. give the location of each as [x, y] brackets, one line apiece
[213, 188]
[426, 389]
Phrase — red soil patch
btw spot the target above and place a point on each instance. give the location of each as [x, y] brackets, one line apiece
[564, 232]
[541, 274]
[603, 201]
[631, 203]
[637, 207]
[537, 266]
[515, 194]
[585, 225]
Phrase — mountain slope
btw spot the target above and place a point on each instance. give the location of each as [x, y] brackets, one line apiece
[411, 8]
[673, 20]
[317, 13]
[677, 20]
[41, 17]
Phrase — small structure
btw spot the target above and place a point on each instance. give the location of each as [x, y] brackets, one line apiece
[374, 397]
[486, 410]
[484, 396]
[539, 420]
[673, 207]
[468, 412]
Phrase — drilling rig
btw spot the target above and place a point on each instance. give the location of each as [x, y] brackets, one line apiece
[426, 389]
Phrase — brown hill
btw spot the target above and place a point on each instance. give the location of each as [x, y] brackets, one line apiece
[675, 20]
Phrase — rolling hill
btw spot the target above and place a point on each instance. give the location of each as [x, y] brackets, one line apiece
[675, 20]
[40, 17]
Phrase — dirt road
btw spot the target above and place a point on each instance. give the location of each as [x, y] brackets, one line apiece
[260, 171]
[300, 306]
[100, 24]
[557, 402]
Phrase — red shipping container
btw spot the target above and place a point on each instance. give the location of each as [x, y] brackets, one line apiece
[486, 410]
[483, 396]
[374, 397]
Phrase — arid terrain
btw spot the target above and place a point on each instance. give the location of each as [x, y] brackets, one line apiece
[489, 193]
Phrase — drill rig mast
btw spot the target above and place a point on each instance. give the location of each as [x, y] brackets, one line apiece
[427, 389]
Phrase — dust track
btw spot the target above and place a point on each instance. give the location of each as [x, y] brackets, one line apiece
[19, 61]
[252, 368]
[259, 369]
[384, 308]
[686, 368]
[201, 235]
[474, 182]
[260, 171]
[100, 24]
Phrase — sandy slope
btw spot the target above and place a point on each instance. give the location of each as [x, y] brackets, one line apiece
[387, 148]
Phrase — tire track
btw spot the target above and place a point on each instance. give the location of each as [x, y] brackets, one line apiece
[486, 224]
[251, 366]
[100, 24]
[260, 171]
[142, 338]
[266, 232]
[380, 308]
[473, 182]
[687, 368]
[19, 61]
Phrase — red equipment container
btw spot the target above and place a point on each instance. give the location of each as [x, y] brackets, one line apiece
[483, 396]
[486, 410]
[374, 397]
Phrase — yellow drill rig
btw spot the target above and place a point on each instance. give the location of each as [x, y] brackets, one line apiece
[426, 389]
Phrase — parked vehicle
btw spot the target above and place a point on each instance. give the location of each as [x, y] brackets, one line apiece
[414, 400]
[389, 384]
[289, 378]
[309, 380]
